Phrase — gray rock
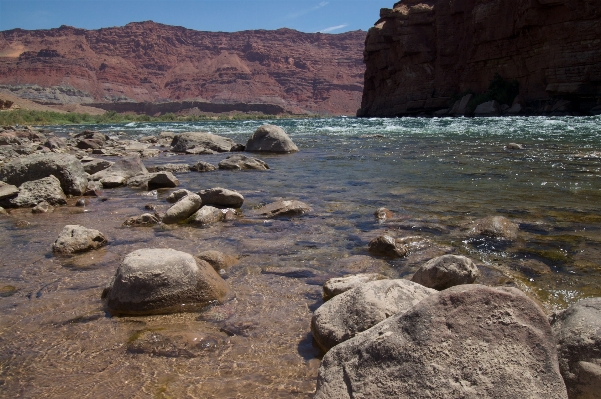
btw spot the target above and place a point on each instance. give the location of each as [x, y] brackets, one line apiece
[446, 271]
[206, 215]
[489, 108]
[177, 195]
[469, 341]
[388, 246]
[242, 162]
[218, 259]
[270, 138]
[514, 146]
[182, 209]
[163, 280]
[202, 166]
[221, 197]
[42, 207]
[8, 190]
[33, 192]
[75, 238]
[118, 173]
[153, 181]
[495, 227]
[81, 202]
[65, 167]
[515, 109]
[186, 141]
[92, 135]
[170, 167]
[55, 143]
[338, 285]
[359, 309]
[90, 144]
[460, 106]
[180, 344]
[146, 219]
[578, 334]
[96, 165]
[283, 208]
[383, 214]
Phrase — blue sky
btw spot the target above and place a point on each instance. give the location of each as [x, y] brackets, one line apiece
[333, 16]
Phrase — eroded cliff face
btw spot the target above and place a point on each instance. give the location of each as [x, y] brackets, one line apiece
[422, 55]
[300, 72]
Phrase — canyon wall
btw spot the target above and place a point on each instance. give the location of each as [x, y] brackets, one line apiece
[423, 56]
[149, 62]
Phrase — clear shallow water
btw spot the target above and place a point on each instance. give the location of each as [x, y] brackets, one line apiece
[437, 175]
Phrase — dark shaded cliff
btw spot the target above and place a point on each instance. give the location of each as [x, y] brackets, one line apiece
[424, 56]
[150, 62]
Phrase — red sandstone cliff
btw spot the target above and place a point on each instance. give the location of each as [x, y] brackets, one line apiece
[301, 72]
[422, 54]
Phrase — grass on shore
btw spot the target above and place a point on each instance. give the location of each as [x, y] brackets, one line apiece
[26, 117]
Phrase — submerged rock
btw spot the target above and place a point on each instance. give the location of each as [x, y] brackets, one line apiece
[186, 141]
[446, 271]
[217, 259]
[469, 341]
[146, 219]
[495, 227]
[206, 215]
[221, 197]
[242, 162]
[270, 138]
[578, 333]
[75, 238]
[163, 280]
[388, 246]
[359, 309]
[66, 168]
[284, 208]
[42, 207]
[179, 344]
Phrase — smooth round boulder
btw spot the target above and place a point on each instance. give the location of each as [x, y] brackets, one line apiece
[446, 271]
[270, 138]
[182, 209]
[578, 333]
[163, 280]
[206, 215]
[338, 285]
[221, 197]
[468, 341]
[75, 238]
[361, 308]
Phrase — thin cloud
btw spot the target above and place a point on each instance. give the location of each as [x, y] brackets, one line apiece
[333, 28]
[307, 11]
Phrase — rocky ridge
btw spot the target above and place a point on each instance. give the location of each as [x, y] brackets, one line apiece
[426, 56]
[146, 62]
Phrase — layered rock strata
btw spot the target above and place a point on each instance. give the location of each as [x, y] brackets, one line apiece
[424, 56]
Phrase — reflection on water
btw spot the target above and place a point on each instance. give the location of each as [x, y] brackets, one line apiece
[436, 175]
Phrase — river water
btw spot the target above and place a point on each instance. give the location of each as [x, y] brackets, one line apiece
[436, 175]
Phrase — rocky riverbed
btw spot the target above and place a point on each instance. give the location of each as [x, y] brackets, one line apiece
[265, 230]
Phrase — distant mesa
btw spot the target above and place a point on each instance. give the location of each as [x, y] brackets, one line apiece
[145, 67]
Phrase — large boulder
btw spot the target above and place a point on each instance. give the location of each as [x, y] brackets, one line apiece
[221, 197]
[242, 162]
[270, 138]
[118, 173]
[469, 341]
[578, 334]
[283, 208]
[338, 285]
[33, 192]
[66, 168]
[495, 227]
[446, 271]
[186, 141]
[182, 209]
[361, 308]
[153, 181]
[163, 280]
[75, 238]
